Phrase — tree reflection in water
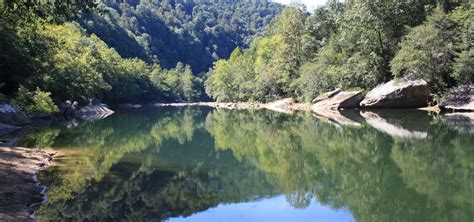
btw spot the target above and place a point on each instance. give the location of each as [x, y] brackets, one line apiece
[162, 163]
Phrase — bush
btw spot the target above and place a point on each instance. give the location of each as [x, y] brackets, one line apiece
[34, 101]
[463, 68]
[427, 52]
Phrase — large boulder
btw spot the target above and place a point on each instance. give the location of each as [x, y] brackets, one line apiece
[461, 99]
[398, 94]
[326, 95]
[342, 100]
[94, 111]
[12, 116]
[283, 105]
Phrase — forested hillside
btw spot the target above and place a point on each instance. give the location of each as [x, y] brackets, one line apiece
[193, 32]
[118, 51]
[353, 44]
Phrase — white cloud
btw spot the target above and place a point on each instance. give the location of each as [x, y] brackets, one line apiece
[311, 4]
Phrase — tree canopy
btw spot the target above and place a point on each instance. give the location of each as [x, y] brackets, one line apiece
[356, 44]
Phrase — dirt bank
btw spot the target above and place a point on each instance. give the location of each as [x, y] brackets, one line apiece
[20, 189]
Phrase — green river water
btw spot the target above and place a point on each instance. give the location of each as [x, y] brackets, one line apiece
[202, 164]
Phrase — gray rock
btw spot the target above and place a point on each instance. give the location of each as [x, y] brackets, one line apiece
[342, 100]
[282, 105]
[12, 116]
[68, 108]
[94, 112]
[326, 95]
[461, 99]
[398, 94]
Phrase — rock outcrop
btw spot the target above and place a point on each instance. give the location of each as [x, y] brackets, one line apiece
[283, 105]
[461, 99]
[326, 95]
[94, 111]
[12, 116]
[398, 94]
[68, 108]
[342, 100]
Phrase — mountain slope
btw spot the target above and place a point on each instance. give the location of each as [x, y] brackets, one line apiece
[194, 32]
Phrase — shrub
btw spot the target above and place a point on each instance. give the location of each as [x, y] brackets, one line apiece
[34, 101]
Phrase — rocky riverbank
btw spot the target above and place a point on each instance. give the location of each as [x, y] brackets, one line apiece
[20, 189]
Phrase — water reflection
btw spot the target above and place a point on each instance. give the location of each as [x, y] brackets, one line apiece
[156, 164]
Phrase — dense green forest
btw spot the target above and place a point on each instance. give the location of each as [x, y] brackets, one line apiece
[119, 51]
[140, 51]
[196, 32]
[355, 44]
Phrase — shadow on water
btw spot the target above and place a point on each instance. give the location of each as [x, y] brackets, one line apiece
[163, 163]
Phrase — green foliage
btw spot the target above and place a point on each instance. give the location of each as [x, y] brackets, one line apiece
[427, 51]
[463, 68]
[193, 32]
[39, 49]
[178, 83]
[357, 44]
[34, 101]
[54, 10]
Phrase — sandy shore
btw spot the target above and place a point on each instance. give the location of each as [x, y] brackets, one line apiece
[20, 189]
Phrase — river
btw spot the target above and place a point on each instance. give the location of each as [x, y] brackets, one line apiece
[203, 164]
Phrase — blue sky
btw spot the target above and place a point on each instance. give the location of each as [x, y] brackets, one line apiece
[311, 4]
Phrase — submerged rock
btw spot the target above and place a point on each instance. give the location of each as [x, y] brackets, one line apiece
[342, 100]
[398, 94]
[12, 116]
[461, 99]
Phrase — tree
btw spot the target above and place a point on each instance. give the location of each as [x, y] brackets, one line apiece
[463, 68]
[427, 52]
[34, 101]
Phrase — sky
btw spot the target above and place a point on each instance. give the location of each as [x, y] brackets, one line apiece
[311, 4]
